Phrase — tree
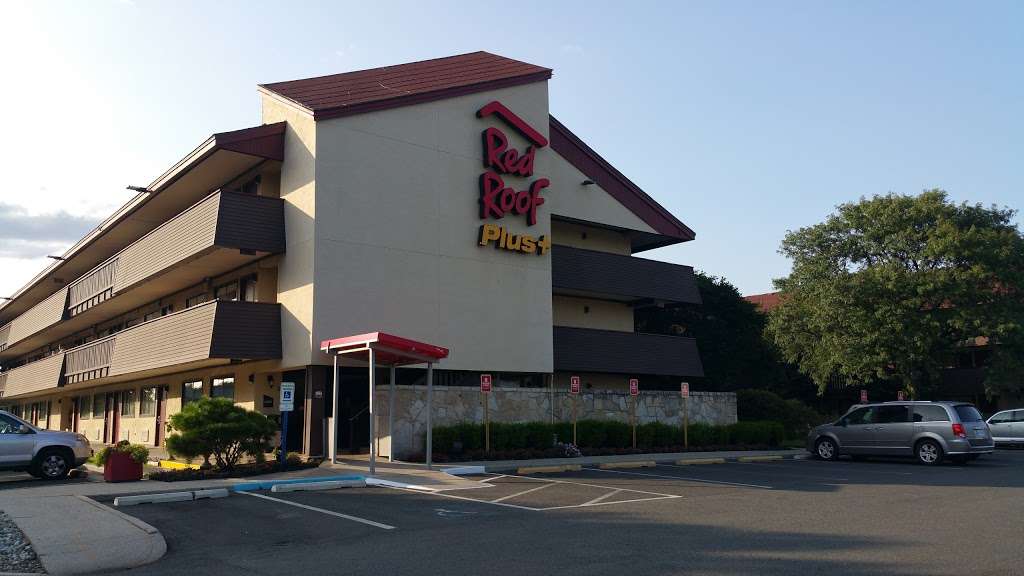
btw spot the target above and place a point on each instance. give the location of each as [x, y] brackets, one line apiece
[216, 427]
[890, 287]
[729, 333]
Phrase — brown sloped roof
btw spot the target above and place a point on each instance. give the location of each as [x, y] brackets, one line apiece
[405, 84]
[764, 302]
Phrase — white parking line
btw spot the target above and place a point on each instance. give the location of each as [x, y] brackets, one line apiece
[322, 511]
[681, 478]
[602, 497]
[534, 489]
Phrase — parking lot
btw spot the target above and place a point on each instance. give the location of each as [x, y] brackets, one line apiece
[784, 517]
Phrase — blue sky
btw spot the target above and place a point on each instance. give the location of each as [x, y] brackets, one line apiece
[745, 119]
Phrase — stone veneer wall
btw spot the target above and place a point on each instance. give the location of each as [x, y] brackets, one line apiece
[453, 405]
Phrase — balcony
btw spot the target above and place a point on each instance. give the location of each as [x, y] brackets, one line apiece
[213, 333]
[588, 273]
[220, 233]
[609, 351]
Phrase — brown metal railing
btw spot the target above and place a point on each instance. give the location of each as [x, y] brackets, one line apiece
[93, 288]
[89, 361]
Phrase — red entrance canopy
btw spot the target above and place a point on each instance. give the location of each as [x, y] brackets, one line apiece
[389, 350]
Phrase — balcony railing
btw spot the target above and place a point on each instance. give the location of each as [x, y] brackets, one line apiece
[242, 226]
[581, 272]
[608, 351]
[213, 331]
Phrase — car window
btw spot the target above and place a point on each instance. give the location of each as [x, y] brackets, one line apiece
[8, 425]
[1018, 415]
[968, 413]
[892, 414]
[926, 413]
[860, 416]
[1002, 418]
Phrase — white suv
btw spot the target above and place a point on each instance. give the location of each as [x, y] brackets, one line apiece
[46, 454]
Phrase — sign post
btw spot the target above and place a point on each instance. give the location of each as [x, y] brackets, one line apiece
[634, 391]
[286, 405]
[485, 389]
[574, 391]
[684, 391]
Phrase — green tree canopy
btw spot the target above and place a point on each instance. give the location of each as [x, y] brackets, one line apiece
[890, 287]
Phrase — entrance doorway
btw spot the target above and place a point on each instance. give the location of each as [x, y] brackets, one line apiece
[354, 410]
[297, 419]
[112, 418]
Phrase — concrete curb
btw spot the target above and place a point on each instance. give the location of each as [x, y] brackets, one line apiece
[313, 486]
[537, 467]
[157, 545]
[549, 469]
[634, 464]
[170, 497]
[371, 481]
[464, 470]
[699, 461]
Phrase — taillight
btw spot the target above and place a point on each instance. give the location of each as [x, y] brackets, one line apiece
[958, 431]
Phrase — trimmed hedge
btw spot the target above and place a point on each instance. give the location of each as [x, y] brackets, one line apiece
[597, 436]
[796, 417]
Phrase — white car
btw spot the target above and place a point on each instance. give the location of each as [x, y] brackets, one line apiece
[46, 454]
[1007, 426]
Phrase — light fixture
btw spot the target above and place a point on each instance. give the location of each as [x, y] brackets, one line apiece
[139, 189]
[56, 257]
[587, 182]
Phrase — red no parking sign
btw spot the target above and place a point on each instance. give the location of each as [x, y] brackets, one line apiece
[634, 387]
[485, 383]
[574, 384]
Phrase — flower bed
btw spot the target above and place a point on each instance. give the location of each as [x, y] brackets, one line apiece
[239, 471]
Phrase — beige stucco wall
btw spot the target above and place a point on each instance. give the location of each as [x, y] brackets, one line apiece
[590, 203]
[397, 212]
[590, 238]
[591, 313]
[298, 189]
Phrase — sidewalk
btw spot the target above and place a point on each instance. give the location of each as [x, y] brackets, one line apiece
[661, 458]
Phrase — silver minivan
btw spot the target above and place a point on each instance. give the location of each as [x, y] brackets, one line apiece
[46, 454]
[1007, 427]
[929, 431]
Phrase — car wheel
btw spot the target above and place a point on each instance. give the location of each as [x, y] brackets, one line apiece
[826, 449]
[928, 452]
[52, 464]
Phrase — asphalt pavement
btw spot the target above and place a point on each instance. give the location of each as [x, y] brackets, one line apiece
[786, 517]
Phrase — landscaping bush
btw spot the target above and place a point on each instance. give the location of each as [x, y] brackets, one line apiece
[796, 417]
[514, 441]
[239, 471]
[138, 452]
[216, 427]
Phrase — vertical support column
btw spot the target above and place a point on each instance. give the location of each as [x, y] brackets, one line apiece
[334, 414]
[391, 414]
[373, 429]
[430, 414]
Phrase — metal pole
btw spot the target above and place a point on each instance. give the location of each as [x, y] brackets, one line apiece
[373, 437]
[430, 411]
[487, 423]
[334, 414]
[634, 422]
[574, 443]
[686, 423]
[391, 414]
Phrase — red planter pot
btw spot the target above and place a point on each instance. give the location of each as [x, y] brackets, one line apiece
[121, 468]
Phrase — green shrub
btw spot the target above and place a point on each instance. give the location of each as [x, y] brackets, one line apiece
[598, 435]
[216, 427]
[762, 405]
[138, 453]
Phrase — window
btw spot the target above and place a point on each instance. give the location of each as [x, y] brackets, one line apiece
[191, 391]
[926, 413]
[147, 402]
[41, 413]
[968, 413]
[128, 403]
[860, 416]
[248, 288]
[84, 407]
[8, 425]
[226, 292]
[196, 300]
[223, 388]
[1018, 416]
[99, 405]
[891, 414]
